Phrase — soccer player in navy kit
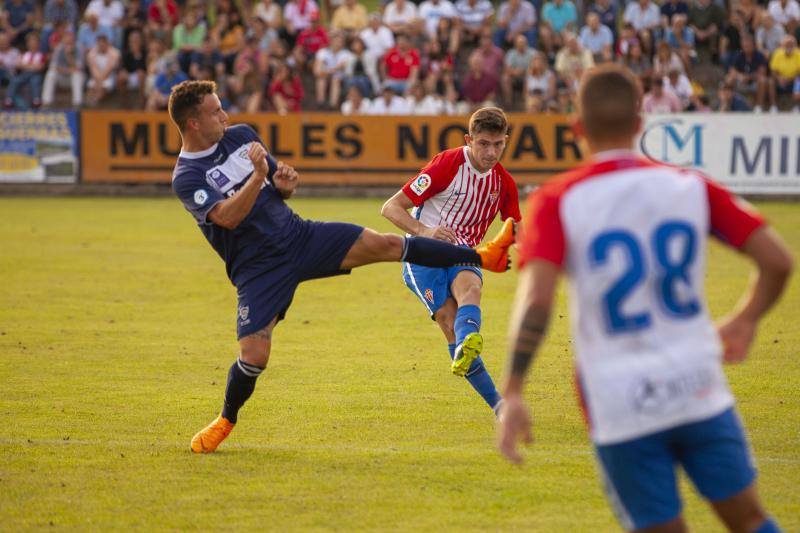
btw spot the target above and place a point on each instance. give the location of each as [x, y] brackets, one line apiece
[236, 191]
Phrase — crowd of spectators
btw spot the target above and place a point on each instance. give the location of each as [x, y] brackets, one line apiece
[427, 58]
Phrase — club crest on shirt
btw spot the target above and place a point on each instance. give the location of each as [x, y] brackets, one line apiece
[200, 197]
[243, 152]
[493, 196]
[429, 295]
[421, 184]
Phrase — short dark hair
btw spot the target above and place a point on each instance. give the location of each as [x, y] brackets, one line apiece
[185, 97]
[609, 99]
[489, 119]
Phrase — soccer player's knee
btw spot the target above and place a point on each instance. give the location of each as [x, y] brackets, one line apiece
[255, 355]
[472, 292]
[392, 244]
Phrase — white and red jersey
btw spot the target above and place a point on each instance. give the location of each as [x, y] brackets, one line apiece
[450, 192]
[631, 236]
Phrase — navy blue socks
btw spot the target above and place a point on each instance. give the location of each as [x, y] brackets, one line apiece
[241, 383]
[438, 254]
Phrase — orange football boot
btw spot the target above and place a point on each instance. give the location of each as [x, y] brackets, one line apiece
[494, 254]
[207, 440]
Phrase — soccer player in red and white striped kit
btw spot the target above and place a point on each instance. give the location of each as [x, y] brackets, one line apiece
[455, 198]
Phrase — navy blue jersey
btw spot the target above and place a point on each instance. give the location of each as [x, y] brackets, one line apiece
[203, 179]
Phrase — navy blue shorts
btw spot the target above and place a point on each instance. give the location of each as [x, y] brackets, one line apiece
[317, 253]
[639, 474]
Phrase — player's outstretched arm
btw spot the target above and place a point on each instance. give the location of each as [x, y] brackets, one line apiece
[532, 307]
[774, 264]
[230, 212]
[396, 211]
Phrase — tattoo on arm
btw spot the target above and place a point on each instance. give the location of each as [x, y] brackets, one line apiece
[531, 332]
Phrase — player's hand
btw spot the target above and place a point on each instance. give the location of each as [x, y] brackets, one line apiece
[514, 425]
[258, 156]
[442, 233]
[285, 179]
[736, 334]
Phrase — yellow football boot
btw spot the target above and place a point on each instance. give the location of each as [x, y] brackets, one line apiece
[466, 353]
[494, 254]
[207, 440]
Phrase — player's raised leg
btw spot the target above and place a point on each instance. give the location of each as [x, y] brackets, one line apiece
[373, 247]
[242, 378]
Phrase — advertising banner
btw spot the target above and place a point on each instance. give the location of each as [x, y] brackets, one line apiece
[749, 153]
[135, 147]
[39, 146]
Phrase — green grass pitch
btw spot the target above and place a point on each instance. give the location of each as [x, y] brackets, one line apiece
[117, 330]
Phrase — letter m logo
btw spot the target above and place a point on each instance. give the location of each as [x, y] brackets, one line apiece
[691, 141]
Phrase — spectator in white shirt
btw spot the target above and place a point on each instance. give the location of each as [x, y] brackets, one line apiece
[432, 11]
[330, 67]
[769, 35]
[421, 102]
[785, 12]
[102, 62]
[389, 103]
[297, 17]
[597, 38]
[474, 16]
[399, 14]
[677, 82]
[377, 38]
[109, 14]
[642, 15]
[645, 17]
[355, 103]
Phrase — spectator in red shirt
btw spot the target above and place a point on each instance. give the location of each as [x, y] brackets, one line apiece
[286, 90]
[314, 38]
[477, 88]
[400, 66]
[162, 16]
[492, 57]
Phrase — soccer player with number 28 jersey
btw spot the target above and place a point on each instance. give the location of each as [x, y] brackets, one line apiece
[236, 193]
[630, 235]
[455, 198]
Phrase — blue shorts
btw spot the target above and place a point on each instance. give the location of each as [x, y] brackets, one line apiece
[316, 253]
[639, 474]
[432, 285]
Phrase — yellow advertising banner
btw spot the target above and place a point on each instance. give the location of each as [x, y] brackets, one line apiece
[325, 148]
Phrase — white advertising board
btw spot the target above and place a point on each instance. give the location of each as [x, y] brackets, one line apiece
[748, 153]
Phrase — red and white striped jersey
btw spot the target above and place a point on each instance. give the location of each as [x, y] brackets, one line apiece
[450, 192]
[631, 236]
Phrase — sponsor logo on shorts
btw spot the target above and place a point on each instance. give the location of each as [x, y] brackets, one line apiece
[429, 295]
[200, 197]
[421, 184]
[244, 312]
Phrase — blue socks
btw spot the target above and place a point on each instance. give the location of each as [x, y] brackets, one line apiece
[769, 526]
[468, 320]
